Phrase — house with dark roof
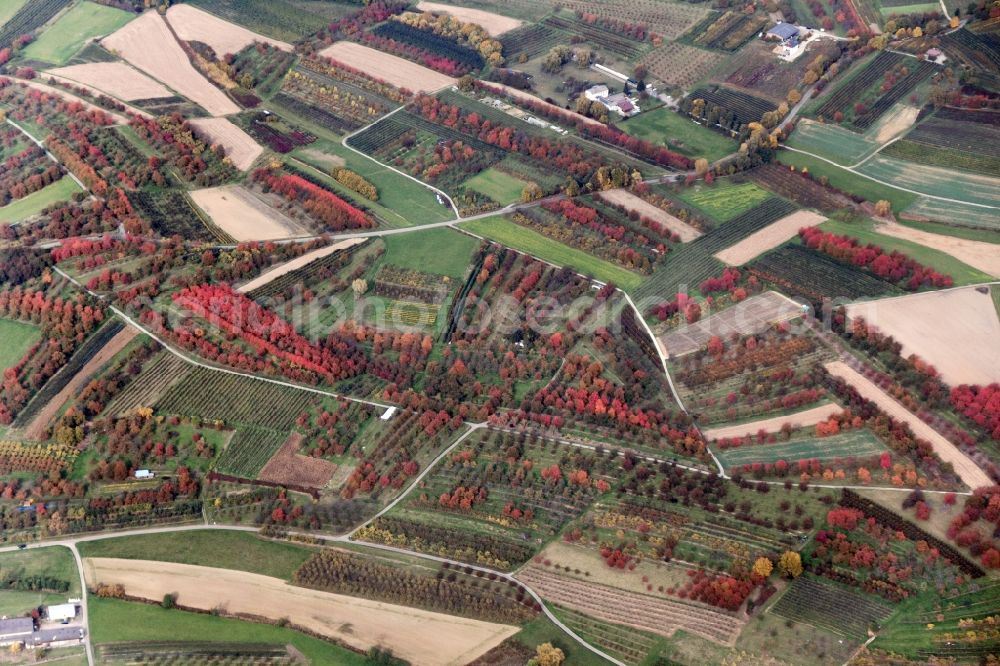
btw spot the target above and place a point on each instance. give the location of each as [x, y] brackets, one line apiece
[783, 32]
[16, 630]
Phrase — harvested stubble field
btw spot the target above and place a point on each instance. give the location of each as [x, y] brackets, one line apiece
[244, 216]
[968, 471]
[288, 466]
[661, 616]
[957, 331]
[195, 25]
[148, 44]
[768, 238]
[807, 417]
[419, 636]
[750, 316]
[391, 69]
[632, 202]
[978, 254]
[114, 78]
[240, 146]
[495, 24]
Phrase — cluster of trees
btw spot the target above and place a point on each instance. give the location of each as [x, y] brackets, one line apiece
[471, 35]
[354, 24]
[720, 590]
[25, 172]
[322, 204]
[894, 266]
[568, 157]
[64, 325]
[264, 332]
[356, 182]
[448, 590]
[356, 77]
[765, 351]
[195, 159]
[981, 404]
[983, 506]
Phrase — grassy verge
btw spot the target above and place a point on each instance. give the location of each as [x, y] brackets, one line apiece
[210, 548]
[64, 38]
[847, 181]
[679, 134]
[112, 620]
[940, 261]
[17, 340]
[61, 190]
[981, 235]
[520, 238]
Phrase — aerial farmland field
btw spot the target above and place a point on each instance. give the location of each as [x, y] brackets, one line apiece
[561, 333]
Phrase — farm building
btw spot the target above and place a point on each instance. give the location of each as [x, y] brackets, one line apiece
[596, 93]
[61, 612]
[58, 637]
[783, 32]
[619, 102]
[16, 630]
[143, 474]
[388, 414]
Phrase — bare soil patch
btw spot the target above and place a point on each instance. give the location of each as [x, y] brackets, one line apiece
[750, 316]
[240, 146]
[966, 470]
[807, 417]
[978, 254]
[659, 615]
[288, 466]
[419, 636]
[495, 24]
[625, 198]
[395, 71]
[956, 330]
[195, 25]
[768, 238]
[66, 95]
[148, 44]
[36, 429]
[297, 263]
[323, 158]
[245, 217]
[896, 123]
[114, 78]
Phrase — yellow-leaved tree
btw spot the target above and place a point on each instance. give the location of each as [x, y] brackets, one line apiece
[790, 564]
[763, 567]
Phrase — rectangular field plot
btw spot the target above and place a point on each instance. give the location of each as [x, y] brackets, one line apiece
[61, 40]
[249, 450]
[830, 607]
[831, 141]
[750, 316]
[853, 444]
[220, 396]
[947, 212]
[725, 201]
[497, 185]
[799, 271]
[934, 180]
[679, 133]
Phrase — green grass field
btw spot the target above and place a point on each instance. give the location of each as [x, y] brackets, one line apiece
[409, 201]
[54, 561]
[112, 620]
[64, 38]
[438, 251]
[940, 261]
[679, 134]
[724, 201]
[974, 218]
[935, 181]
[832, 142]
[208, 548]
[981, 235]
[61, 190]
[849, 182]
[17, 340]
[8, 8]
[513, 235]
[858, 443]
[497, 185]
[918, 8]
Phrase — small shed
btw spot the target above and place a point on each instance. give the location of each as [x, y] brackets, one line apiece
[388, 414]
[61, 612]
[595, 93]
[144, 474]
